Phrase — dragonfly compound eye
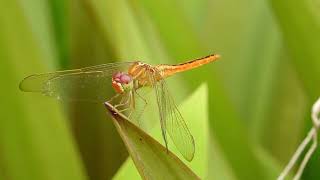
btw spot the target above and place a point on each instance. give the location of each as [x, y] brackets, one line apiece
[116, 76]
[122, 78]
[125, 79]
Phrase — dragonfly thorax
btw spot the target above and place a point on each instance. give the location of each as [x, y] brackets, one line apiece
[122, 82]
[144, 74]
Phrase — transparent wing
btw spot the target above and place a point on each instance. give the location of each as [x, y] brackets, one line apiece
[172, 121]
[86, 84]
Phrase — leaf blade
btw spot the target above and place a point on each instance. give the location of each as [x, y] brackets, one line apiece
[152, 160]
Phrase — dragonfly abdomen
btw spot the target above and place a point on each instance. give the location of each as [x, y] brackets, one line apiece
[168, 70]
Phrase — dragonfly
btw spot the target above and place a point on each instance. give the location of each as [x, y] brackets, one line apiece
[126, 78]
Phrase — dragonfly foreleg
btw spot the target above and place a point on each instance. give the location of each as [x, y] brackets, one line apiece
[127, 103]
[113, 97]
[124, 101]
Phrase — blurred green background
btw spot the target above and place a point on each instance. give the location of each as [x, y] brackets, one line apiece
[257, 103]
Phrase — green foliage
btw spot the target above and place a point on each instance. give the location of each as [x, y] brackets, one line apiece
[256, 108]
[197, 119]
[35, 140]
[152, 160]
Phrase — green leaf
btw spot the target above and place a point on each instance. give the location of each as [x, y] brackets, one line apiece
[174, 28]
[300, 28]
[197, 120]
[35, 141]
[59, 10]
[119, 26]
[299, 22]
[152, 159]
[99, 143]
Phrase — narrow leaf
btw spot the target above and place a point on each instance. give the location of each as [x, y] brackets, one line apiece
[196, 118]
[152, 160]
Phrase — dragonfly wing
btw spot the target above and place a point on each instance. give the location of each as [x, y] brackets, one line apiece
[172, 121]
[85, 84]
[161, 102]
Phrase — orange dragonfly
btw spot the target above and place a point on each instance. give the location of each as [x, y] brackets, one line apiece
[126, 78]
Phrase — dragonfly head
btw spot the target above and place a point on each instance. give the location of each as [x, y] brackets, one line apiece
[122, 82]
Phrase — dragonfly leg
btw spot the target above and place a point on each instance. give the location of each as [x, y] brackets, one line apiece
[123, 110]
[130, 113]
[113, 97]
[120, 105]
[125, 100]
[129, 102]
